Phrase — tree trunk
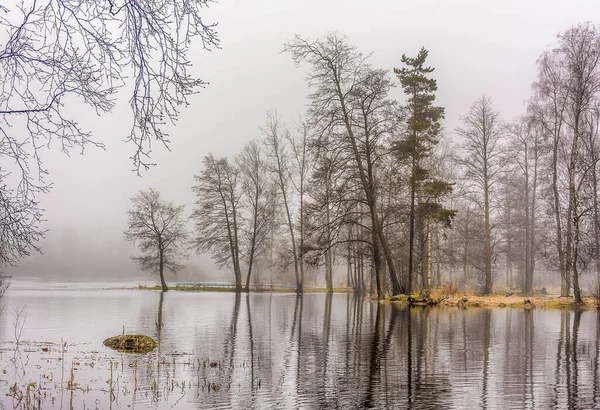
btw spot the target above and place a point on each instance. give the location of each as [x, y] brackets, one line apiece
[528, 287]
[488, 241]
[349, 276]
[596, 228]
[328, 256]
[428, 260]
[377, 265]
[253, 238]
[161, 268]
[292, 236]
[236, 255]
[358, 281]
[328, 271]
[569, 246]
[594, 158]
[438, 260]
[300, 283]
[466, 256]
[389, 258]
[574, 200]
[509, 260]
[247, 287]
[533, 214]
[367, 181]
[411, 240]
[564, 274]
[361, 271]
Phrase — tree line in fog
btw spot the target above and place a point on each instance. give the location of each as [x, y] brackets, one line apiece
[376, 190]
[367, 191]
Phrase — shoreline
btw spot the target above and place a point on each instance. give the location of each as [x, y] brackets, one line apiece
[232, 290]
[472, 301]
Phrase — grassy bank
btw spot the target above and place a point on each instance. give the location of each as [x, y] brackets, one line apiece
[496, 301]
[522, 302]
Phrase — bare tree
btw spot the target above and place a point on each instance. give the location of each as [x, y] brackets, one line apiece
[580, 46]
[525, 151]
[257, 201]
[329, 205]
[56, 53]
[592, 146]
[217, 214]
[481, 159]
[566, 95]
[349, 99]
[511, 219]
[20, 219]
[4, 285]
[158, 229]
[302, 165]
[549, 108]
[280, 167]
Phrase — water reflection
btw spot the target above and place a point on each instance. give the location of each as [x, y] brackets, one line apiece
[288, 351]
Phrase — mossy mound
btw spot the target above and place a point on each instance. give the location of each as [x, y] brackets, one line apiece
[423, 299]
[131, 343]
[399, 298]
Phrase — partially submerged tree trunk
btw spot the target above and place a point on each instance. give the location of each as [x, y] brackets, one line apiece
[162, 269]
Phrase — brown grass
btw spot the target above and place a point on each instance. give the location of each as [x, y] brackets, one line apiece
[499, 301]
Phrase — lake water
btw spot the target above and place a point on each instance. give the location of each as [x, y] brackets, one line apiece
[217, 350]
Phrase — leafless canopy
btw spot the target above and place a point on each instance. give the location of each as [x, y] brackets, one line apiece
[159, 231]
[216, 213]
[55, 53]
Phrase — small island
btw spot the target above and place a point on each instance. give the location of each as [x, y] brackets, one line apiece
[131, 343]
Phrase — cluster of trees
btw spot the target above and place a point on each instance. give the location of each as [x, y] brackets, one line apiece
[367, 184]
[333, 190]
[534, 179]
[362, 182]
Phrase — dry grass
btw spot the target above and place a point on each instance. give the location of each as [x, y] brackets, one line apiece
[452, 297]
[524, 302]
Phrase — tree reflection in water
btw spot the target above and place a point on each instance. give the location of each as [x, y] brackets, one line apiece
[340, 351]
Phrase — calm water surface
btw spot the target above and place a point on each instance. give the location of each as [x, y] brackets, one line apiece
[217, 350]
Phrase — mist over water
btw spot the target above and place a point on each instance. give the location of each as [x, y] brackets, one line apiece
[221, 350]
[421, 153]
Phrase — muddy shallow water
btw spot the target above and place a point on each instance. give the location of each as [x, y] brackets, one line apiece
[216, 350]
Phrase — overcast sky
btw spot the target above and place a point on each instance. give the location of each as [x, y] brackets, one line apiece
[477, 47]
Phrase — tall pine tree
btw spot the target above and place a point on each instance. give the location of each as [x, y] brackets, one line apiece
[417, 144]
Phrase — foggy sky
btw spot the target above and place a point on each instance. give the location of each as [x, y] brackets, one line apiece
[477, 47]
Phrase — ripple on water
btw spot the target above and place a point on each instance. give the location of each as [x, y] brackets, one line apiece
[216, 350]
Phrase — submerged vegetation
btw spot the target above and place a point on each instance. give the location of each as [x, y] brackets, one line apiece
[75, 375]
